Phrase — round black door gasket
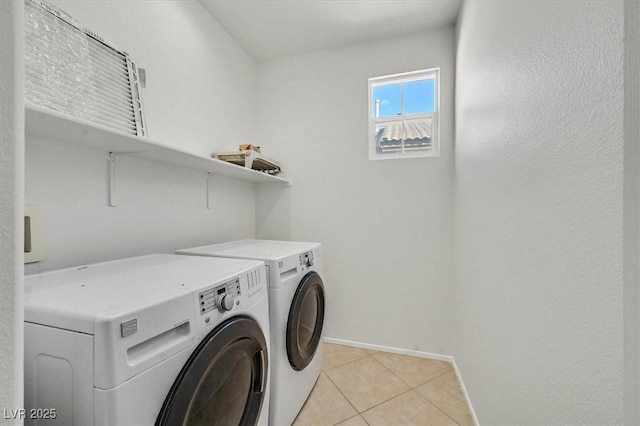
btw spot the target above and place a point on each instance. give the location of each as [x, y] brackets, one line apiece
[310, 290]
[237, 335]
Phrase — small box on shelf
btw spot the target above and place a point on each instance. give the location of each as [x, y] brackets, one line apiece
[248, 147]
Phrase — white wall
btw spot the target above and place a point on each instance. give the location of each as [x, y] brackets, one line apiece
[631, 211]
[538, 211]
[385, 225]
[11, 204]
[200, 97]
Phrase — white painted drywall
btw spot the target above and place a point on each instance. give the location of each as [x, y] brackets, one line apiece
[11, 206]
[538, 211]
[200, 97]
[632, 212]
[385, 225]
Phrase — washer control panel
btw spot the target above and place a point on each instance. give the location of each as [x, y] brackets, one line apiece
[219, 297]
[254, 279]
[306, 259]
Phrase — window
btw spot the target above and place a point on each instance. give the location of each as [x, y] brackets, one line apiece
[404, 115]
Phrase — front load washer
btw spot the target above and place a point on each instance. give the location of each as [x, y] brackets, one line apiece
[296, 299]
[157, 339]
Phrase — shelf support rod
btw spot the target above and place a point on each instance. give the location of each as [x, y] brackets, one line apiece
[113, 179]
[209, 190]
[113, 175]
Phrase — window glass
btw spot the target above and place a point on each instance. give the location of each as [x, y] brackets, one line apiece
[412, 97]
[404, 134]
[387, 100]
[419, 96]
[404, 115]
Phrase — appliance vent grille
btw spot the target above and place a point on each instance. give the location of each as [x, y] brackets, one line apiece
[72, 70]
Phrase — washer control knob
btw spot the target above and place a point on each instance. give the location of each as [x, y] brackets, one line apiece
[225, 302]
[306, 259]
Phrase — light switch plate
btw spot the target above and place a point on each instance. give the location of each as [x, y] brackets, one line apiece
[33, 234]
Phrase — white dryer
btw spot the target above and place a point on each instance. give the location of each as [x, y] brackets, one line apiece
[297, 301]
[158, 339]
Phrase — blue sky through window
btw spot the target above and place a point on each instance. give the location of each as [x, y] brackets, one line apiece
[418, 97]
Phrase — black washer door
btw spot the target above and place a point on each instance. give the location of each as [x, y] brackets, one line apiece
[306, 318]
[224, 380]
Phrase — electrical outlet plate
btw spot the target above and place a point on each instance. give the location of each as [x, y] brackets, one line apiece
[33, 234]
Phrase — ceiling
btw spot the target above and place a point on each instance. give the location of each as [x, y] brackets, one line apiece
[269, 29]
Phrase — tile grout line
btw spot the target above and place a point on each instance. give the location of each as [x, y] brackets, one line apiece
[432, 379]
[385, 401]
[346, 363]
[404, 381]
[438, 408]
[323, 371]
[340, 390]
[358, 411]
[389, 370]
[411, 388]
[367, 354]
[433, 403]
[389, 399]
[349, 418]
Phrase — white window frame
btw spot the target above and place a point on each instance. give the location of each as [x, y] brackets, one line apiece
[434, 149]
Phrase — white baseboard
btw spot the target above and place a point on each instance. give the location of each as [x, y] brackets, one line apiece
[464, 392]
[389, 349]
[420, 354]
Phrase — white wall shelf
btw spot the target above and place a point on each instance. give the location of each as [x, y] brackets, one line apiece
[45, 123]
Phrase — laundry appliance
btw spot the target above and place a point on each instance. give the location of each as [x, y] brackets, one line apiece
[296, 310]
[157, 339]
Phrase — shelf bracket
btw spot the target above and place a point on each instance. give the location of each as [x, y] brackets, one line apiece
[209, 190]
[113, 179]
[113, 175]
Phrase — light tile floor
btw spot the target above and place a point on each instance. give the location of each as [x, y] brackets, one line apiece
[360, 387]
